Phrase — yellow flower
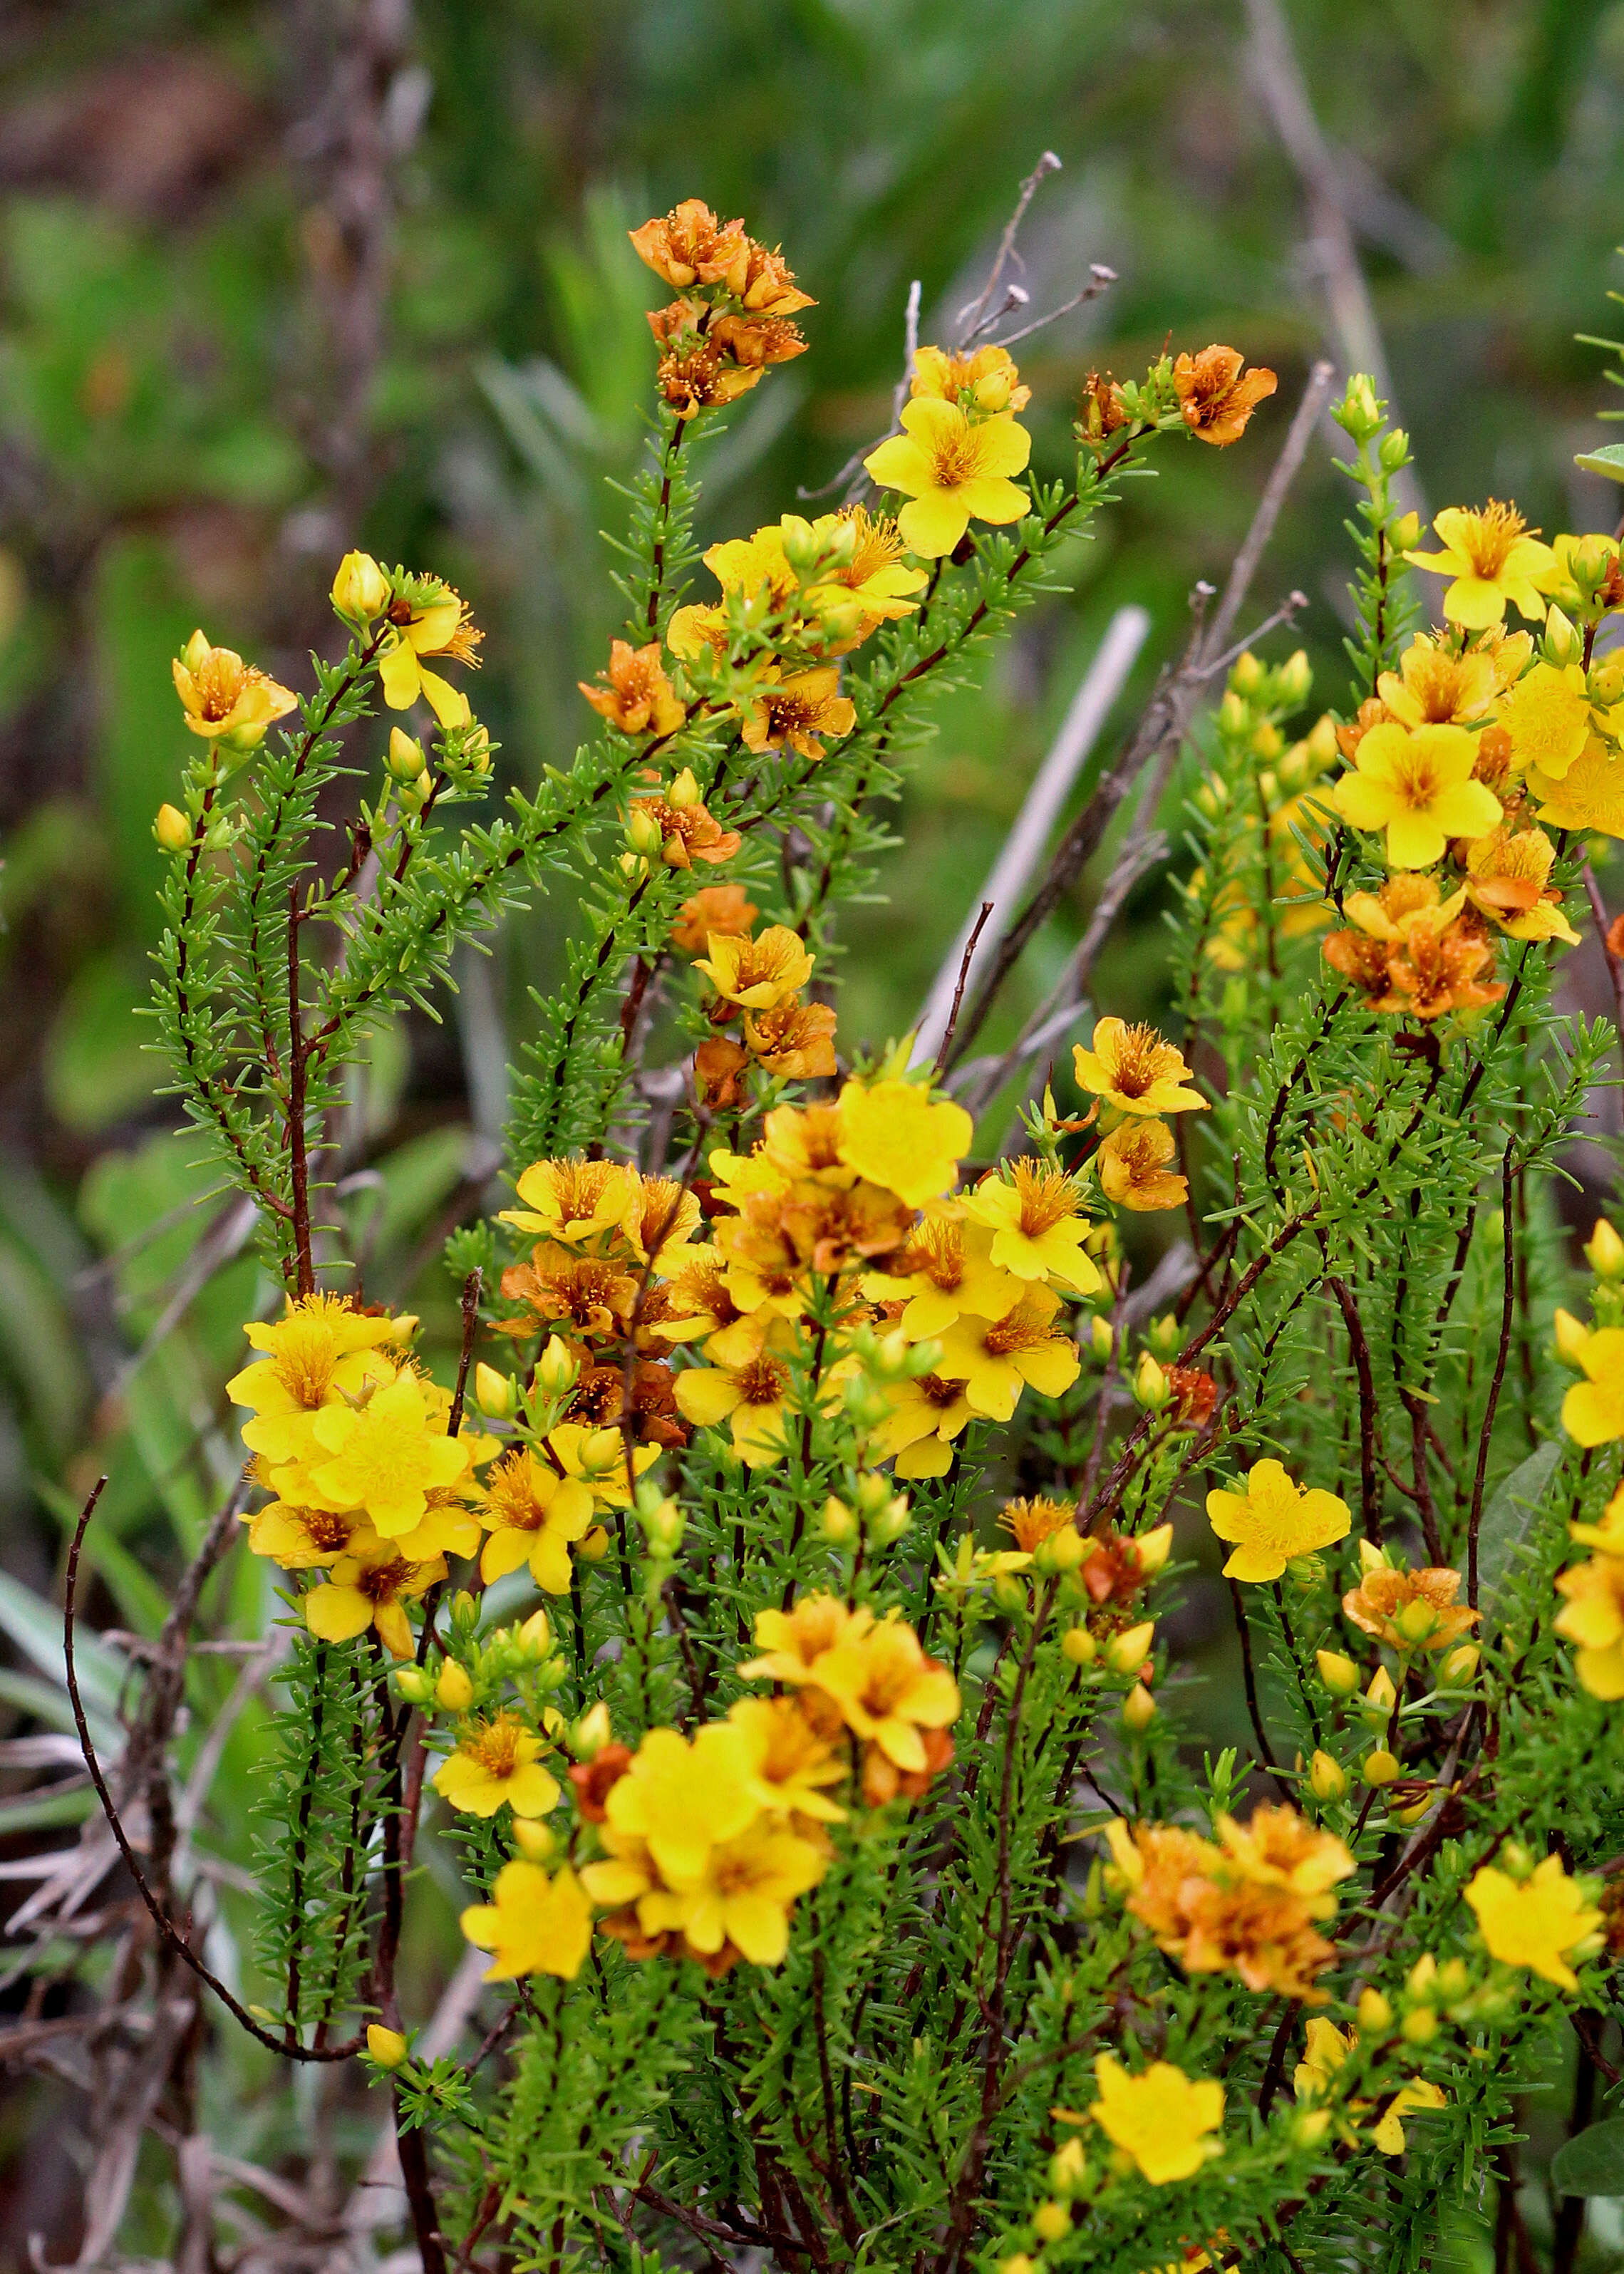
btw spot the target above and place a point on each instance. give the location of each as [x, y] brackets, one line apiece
[791, 1762]
[1435, 687]
[367, 1588]
[1277, 1847]
[1037, 1225]
[759, 974]
[1590, 796]
[872, 576]
[945, 1270]
[1608, 1535]
[995, 1359]
[319, 1349]
[1134, 1070]
[1510, 870]
[888, 1690]
[1132, 1167]
[439, 624]
[533, 1925]
[224, 698]
[1593, 1410]
[387, 1456]
[1418, 786]
[792, 713]
[498, 1763]
[926, 1414]
[793, 1641]
[1273, 1520]
[1314, 2079]
[1160, 2118]
[681, 1799]
[892, 1134]
[1593, 1618]
[360, 588]
[953, 471]
[306, 1538]
[1547, 715]
[533, 1516]
[1532, 1922]
[751, 1390]
[1492, 561]
[984, 384]
[741, 1892]
[596, 1459]
[574, 1200]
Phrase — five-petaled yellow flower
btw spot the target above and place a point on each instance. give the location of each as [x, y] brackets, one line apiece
[1134, 1070]
[439, 624]
[1533, 1922]
[533, 1925]
[955, 472]
[1273, 1520]
[1492, 560]
[498, 1763]
[1162, 2119]
[224, 698]
[1417, 786]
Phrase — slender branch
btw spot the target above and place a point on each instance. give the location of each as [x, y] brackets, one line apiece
[977, 929]
[1486, 1435]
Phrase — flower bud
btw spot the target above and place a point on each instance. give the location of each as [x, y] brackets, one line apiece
[1068, 2167]
[1309, 2126]
[453, 1688]
[496, 1394]
[1460, 1665]
[1150, 1383]
[1375, 2014]
[1604, 1250]
[532, 1838]
[1381, 1696]
[1326, 1779]
[1062, 1551]
[1246, 674]
[1419, 2026]
[1233, 716]
[892, 1355]
[1267, 741]
[1393, 450]
[1563, 643]
[1405, 533]
[405, 761]
[1359, 412]
[1009, 1594]
[991, 395]
[1018, 2264]
[643, 832]
[1606, 680]
[173, 828]
[1572, 1338]
[888, 1524]
[1079, 1647]
[1372, 1558]
[662, 1526]
[1101, 1335]
[1162, 1335]
[1152, 1549]
[1338, 1672]
[803, 549]
[1052, 2221]
[684, 791]
[1139, 1709]
[1380, 1767]
[1295, 677]
[386, 2048]
[591, 1733]
[412, 1684]
[360, 589]
[1127, 1651]
[595, 1547]
[556, 1369]
[536, 1635]
[465, 1611]
[1417, 1623]
[1591, 560]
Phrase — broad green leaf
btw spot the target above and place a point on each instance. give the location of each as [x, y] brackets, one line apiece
[1508, 1517]
[1608, 460]
[1591, 2164]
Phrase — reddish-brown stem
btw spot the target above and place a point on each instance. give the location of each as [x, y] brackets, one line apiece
[298, 1070]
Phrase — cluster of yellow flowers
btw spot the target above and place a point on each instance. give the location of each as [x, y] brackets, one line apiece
[1463, 752]
[699, 1846]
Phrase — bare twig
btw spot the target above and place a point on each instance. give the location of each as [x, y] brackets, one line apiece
[970, 318]
[965, 962]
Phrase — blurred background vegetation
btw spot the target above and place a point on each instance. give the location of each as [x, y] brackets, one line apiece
[280, 276]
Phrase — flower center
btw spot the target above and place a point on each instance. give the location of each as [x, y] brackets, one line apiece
[220, 682]
[936, 1392]
[305, 1354]
[761, 1381]
[1487, 537]
[1046, 1197]
[1138, 1054]
[380, 1582]
[496, 1748]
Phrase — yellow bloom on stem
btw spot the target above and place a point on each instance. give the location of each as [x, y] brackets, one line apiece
[533, 1925]
[387, 1455]
[758, 974]
[1533, 1922]
[1160, 2118]
[792, 713]
[791, 1642]
[1038, 1227]
[1435, 687]
[498, 1765]
[1418, 786]
[887, 1689]
[1314, 2079]
[632, 692]
[1277, 1847]
[891, 1134]
[574, 1200]
[1593, 1618]
[927, 1414]
[742, 1893]
[533, 1516]
[1589, 796]
[320, 1348]
[306, 1538]
[1132, 1167]
[1593, 1410]
[995, 1359]
[954, 471]
[439, 624]
[1273, 1520]
[751, 1392]
[945, 1270]
[791, 1762]
[1492, 560]
[683, 1798]
[225, 699]
[984, 384]
[1508, 869]
[1547, 715]
[1215, 399]
[596, 1458]
[872, 576]
[1134, 1070]
[367, 1588]
[1411, 1611]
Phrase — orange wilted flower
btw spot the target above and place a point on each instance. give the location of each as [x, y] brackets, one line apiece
[634, 693]
[1216, 400]
[687, 832]
[1409, 1609]
[723, 908]
[793, 1039]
